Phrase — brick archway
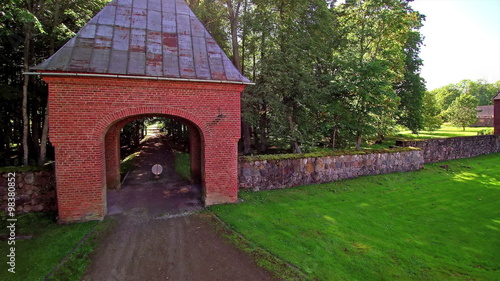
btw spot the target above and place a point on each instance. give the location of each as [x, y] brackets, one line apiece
[137, 58]
[86, 113]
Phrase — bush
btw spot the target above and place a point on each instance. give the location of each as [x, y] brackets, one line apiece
[484, 132]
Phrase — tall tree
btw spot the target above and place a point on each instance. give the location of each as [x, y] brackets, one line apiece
[31, 31]
[411, 89]
[372, 58]
[431, 117]
[463, 111]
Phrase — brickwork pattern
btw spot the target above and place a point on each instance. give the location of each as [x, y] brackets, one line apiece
[275, 174]
[496, 116]
[437, 150]
[87, 113]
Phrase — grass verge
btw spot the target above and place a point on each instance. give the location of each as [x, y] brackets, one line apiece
[40, 246]
[127, 163]
[439, 223]
[183, 164]
[280, 268]
[75, 264]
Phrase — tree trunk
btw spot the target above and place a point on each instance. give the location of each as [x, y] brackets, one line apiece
[35, 129]
[27, 39]
[45, 127]
[233, 19]
[44, 140]
[245, 134]
[358, 142]
[263, 134]
[334, 137]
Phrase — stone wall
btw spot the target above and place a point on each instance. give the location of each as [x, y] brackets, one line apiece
[437, 150]
[35, 191]
[274, 174]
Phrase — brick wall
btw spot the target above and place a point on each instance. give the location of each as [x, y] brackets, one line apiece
[86, 111]
[436, 150]
[273, 174]
[496, 116]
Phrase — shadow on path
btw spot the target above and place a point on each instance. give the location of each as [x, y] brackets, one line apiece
[160, 233]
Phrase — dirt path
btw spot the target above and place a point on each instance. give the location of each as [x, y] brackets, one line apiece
[159, 235]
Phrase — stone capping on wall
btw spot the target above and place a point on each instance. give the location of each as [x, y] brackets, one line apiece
[274, 174]
[437, 150]
[35, 191]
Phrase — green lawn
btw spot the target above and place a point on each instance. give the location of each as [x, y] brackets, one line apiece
[50, 243]
[183, 164]
[127, 163]
[432, 224]
[446, 131]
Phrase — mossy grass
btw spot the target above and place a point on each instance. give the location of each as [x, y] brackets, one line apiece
[41, 245]
[325, 154]
[25, 169]
[127, 163]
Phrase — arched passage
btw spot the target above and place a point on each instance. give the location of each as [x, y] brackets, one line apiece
[112, 149]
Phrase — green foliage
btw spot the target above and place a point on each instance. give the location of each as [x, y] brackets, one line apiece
[484, 132]
[463, 111]
[433, 224]
[431, 114]
[379, 49]
[480, 89]
[411, 89]
[47, 25]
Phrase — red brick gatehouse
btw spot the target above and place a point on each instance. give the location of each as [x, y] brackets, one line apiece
[134, 59]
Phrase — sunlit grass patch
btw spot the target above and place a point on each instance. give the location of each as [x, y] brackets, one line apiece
[432, 224]
[446, 131]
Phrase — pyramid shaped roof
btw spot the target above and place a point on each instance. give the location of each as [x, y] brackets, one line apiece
[150, 38]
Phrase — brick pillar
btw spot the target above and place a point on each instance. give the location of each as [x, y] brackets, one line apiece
[112, 147]
[81, 188]
[496, 110]
[195, 153]
[221, 171]
[113, 153]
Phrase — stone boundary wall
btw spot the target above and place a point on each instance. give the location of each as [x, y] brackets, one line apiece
[437, 150]
[275, 174]
[35, 191]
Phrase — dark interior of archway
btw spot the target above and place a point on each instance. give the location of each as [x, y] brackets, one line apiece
[144, 143]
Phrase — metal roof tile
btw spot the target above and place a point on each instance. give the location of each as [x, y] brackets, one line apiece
[158, 38]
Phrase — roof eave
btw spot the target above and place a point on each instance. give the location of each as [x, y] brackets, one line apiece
[120, 76]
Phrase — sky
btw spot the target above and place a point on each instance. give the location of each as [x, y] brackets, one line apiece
[462, 41]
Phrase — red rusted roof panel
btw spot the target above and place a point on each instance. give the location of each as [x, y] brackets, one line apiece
[158, 38]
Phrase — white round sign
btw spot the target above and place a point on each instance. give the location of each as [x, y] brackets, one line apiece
[157, 169]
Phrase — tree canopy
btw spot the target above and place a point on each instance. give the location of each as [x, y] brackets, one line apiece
[326, 74]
